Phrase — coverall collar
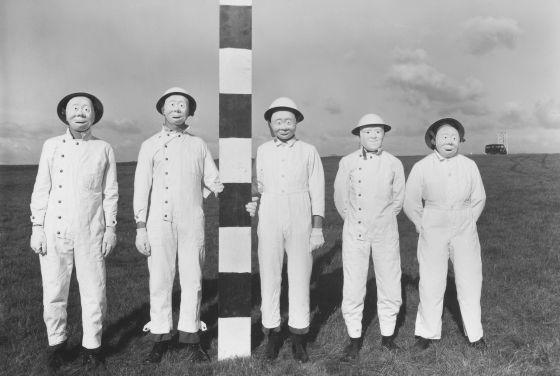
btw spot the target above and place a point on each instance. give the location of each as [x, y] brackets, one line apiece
[164, 129]
[364, 153]
[86, 137]
[441, 158]
[288, 143]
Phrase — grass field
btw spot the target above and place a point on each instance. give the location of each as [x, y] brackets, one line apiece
[520, 236]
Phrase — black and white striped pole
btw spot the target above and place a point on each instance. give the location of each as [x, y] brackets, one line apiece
[234, 279]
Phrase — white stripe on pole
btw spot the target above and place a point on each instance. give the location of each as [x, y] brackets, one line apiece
[235, 71]
[235, 337]
[235, 245]
[235, 166]
[237, 2]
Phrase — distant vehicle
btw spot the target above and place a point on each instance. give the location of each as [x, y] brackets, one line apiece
[495, 149]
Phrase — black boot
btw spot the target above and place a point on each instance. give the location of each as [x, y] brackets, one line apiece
[479, 345]
[157, 352]
[55, 357]
[92, 360]
[421, 344]
[194, 352]
[273, 345]
[388, 343]
[298, 348]
[352, 350]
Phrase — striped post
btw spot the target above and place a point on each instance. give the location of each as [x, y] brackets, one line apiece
[234, 280]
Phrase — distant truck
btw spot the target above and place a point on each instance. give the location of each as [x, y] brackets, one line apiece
[495, 149]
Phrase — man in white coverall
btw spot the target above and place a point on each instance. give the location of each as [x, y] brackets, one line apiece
[178, 169]
[74, 214]
[291, 183]
[451, 188]
[368, 194]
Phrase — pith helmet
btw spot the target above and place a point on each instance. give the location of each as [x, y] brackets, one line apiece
[370, 120]
[176, 91]
[283, 104]
[430, 135]
[96, 103]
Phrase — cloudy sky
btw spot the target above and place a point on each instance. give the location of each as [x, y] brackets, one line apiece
[492, 64]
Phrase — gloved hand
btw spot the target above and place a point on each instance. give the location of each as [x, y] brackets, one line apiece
[316, 240]
[251, 207]
[109, 240]
[142, 242]
[38, 241]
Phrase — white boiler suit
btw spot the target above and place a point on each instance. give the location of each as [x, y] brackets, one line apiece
[291, 182]
[368, 194]
[178, 169]
[74, 198]
[454, 199]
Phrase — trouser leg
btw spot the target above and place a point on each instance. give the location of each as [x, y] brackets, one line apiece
[300, 264]
[433, 255]
[467, 267]
[90, 272]
[387, 266]
[161, 265]
[355, 264]
[271, 258]
[190, 261]
[56, 270]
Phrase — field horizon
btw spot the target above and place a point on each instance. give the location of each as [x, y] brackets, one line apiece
[519, 232]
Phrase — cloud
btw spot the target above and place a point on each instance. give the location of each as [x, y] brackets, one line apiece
[423, 85]
[485, 34]
[332, 106]
[514, 114]
[548, 113]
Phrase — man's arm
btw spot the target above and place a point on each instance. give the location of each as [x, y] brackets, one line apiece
[110, 190]
[211, 175]
[478, 195]
[142, 185]
[316, 188]
[341, 189]
[398, 187]
[413, 207]
[42, 187]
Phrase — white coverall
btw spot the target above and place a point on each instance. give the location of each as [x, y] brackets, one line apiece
[368, 194]
[178, 168]
[454, 199]
[291, 182]
[74, 198]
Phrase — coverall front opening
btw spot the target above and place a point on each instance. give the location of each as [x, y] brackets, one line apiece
[291, 182]
[177, 167]
[454, 199]
[75, 197]
[368, 194]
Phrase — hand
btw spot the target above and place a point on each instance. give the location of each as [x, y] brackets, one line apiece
[142, 242]
[316, 240]
[109, 240]
[251, 207]
[38, 241]
[418, 229]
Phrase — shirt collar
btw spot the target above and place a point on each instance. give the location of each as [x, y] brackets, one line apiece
[441, 158]
[166, 130]
[288, 143]
[86, 135]
[364, 153]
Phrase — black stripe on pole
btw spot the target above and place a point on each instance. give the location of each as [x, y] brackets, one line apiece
[235, 115]
[232, 205]
[235, 26]
[234, 290]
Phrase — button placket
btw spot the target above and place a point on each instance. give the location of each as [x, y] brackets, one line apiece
[166, 181]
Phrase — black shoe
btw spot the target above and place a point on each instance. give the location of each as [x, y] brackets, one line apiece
[273, 345]
[352, 350]
[92, 360]
[55, 357]
[479, 345]
[388, 343]
[157, 352]
[194, 352]
[298, 348]
[421, 344]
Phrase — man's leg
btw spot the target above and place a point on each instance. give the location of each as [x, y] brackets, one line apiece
[467, 266]
[387, 265]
